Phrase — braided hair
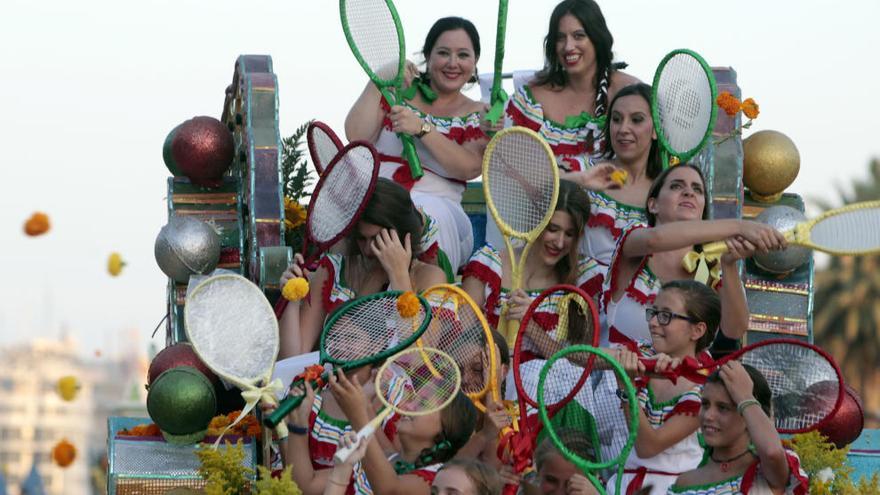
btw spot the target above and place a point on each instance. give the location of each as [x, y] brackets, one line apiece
[458, 420]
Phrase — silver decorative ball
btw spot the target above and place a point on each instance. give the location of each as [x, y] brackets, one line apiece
[782, 218]
[187, 246]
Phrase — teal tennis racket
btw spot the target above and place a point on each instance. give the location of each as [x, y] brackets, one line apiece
[375, 36]
[683, 105]
[498, 97]
[590, 431]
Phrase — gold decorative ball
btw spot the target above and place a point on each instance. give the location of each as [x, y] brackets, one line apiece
[770, 164]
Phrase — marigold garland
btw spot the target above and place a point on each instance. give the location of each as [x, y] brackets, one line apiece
[64, 453]
[115, 264]
[37, 224]
[294, 213]
[295, 289]
[408, 304]
[729, 103]
[750, 108]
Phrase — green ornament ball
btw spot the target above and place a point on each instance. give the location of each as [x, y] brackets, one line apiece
[182, 401]
[168, 156]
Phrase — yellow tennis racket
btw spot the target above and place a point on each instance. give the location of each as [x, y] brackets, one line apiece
[521, 185]
[459, 329]
[852, 230]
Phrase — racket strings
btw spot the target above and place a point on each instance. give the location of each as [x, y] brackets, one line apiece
[374, 34]
[418, 381]
[340, 194]
[372, 327]
[849, 231]
[685, 102]
[457, 330]
[521, 181]
[322, 146]
[805, 385]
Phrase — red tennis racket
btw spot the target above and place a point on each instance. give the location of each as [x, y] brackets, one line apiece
[323, 144]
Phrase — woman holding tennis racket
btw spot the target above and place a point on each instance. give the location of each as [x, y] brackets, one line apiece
[382, 255]
[567, 100]
[646, 257]
[744, 453]
[447, 124]
[683, 321]
[553, 260]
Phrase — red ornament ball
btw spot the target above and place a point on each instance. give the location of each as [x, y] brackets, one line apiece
[845, 426]
[202, 148]
[181, 354]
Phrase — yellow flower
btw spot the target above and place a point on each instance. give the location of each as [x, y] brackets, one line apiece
[750, 108]
[115, 264]
[294, 213]
[408, 304]
[729, 103]
[67, 387]
[619, 176]
[37, 224]
[295, 289]
[673, 161]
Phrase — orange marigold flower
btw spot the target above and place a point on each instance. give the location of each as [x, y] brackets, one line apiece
[37, 224]
[750, 108]
[253, 430]
[729, 103]
[219, 422]
[64, 453]
[408, 304]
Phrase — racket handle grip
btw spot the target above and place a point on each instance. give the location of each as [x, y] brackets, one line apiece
[409, 152]
[343, 453]
[715, 248]
[289, 403]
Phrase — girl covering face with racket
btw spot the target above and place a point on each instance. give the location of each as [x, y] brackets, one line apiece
[744, 453]
[683, 321]
[552, 260]
[447, 124]
[567, 101]
[382, 255]
[668, 247]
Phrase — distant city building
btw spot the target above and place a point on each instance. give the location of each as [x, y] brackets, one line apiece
[33, 417]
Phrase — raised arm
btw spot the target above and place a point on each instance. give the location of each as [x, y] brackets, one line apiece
[311, 482]
[364, 120]
[734, 307]
[677, 235]
[300, 324]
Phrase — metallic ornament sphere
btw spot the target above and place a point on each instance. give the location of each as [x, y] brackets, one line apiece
[845, 426]
[181, 401]
[187, 246]
[782, 218]
[180, 354]
[168, 156]
[770, 164]
[203, 149]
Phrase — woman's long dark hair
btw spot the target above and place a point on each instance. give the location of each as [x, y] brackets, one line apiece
[574, 201]
[391, 207]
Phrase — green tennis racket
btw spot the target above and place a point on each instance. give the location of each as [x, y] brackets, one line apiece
[587, 430]
[683, 105]
[375, 36]
[361, 332]
[498, 97]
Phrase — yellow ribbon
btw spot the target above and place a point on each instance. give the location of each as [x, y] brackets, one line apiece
[252, 395]
[699, 263]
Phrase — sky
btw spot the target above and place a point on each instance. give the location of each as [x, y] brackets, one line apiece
[92, 87]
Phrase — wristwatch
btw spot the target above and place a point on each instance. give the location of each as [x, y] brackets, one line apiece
[426, 128]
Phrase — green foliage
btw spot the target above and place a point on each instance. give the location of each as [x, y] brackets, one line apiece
[817, 454]
[224, 470]
[267, 485]
[295, 169]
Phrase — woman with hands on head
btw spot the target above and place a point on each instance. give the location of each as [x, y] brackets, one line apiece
[647, 256]
[426, 442]
[743, 451]
[446, 124]
[382, 254]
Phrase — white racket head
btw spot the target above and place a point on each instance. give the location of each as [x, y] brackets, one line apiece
[520, 181]
[851, 230]
[232, 328]
[684, 103]
[342, 193]
[323, 144]
[418, 381]
[374, 35]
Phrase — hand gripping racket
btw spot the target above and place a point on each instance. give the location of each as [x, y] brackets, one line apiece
[852, 230]
[459, 329]
[806, 383]
[521, 185]
[583, 429]
[323, 143]
[415, 382]
[683, 104]
[362, 331]
[234, 332]
[375, 36]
